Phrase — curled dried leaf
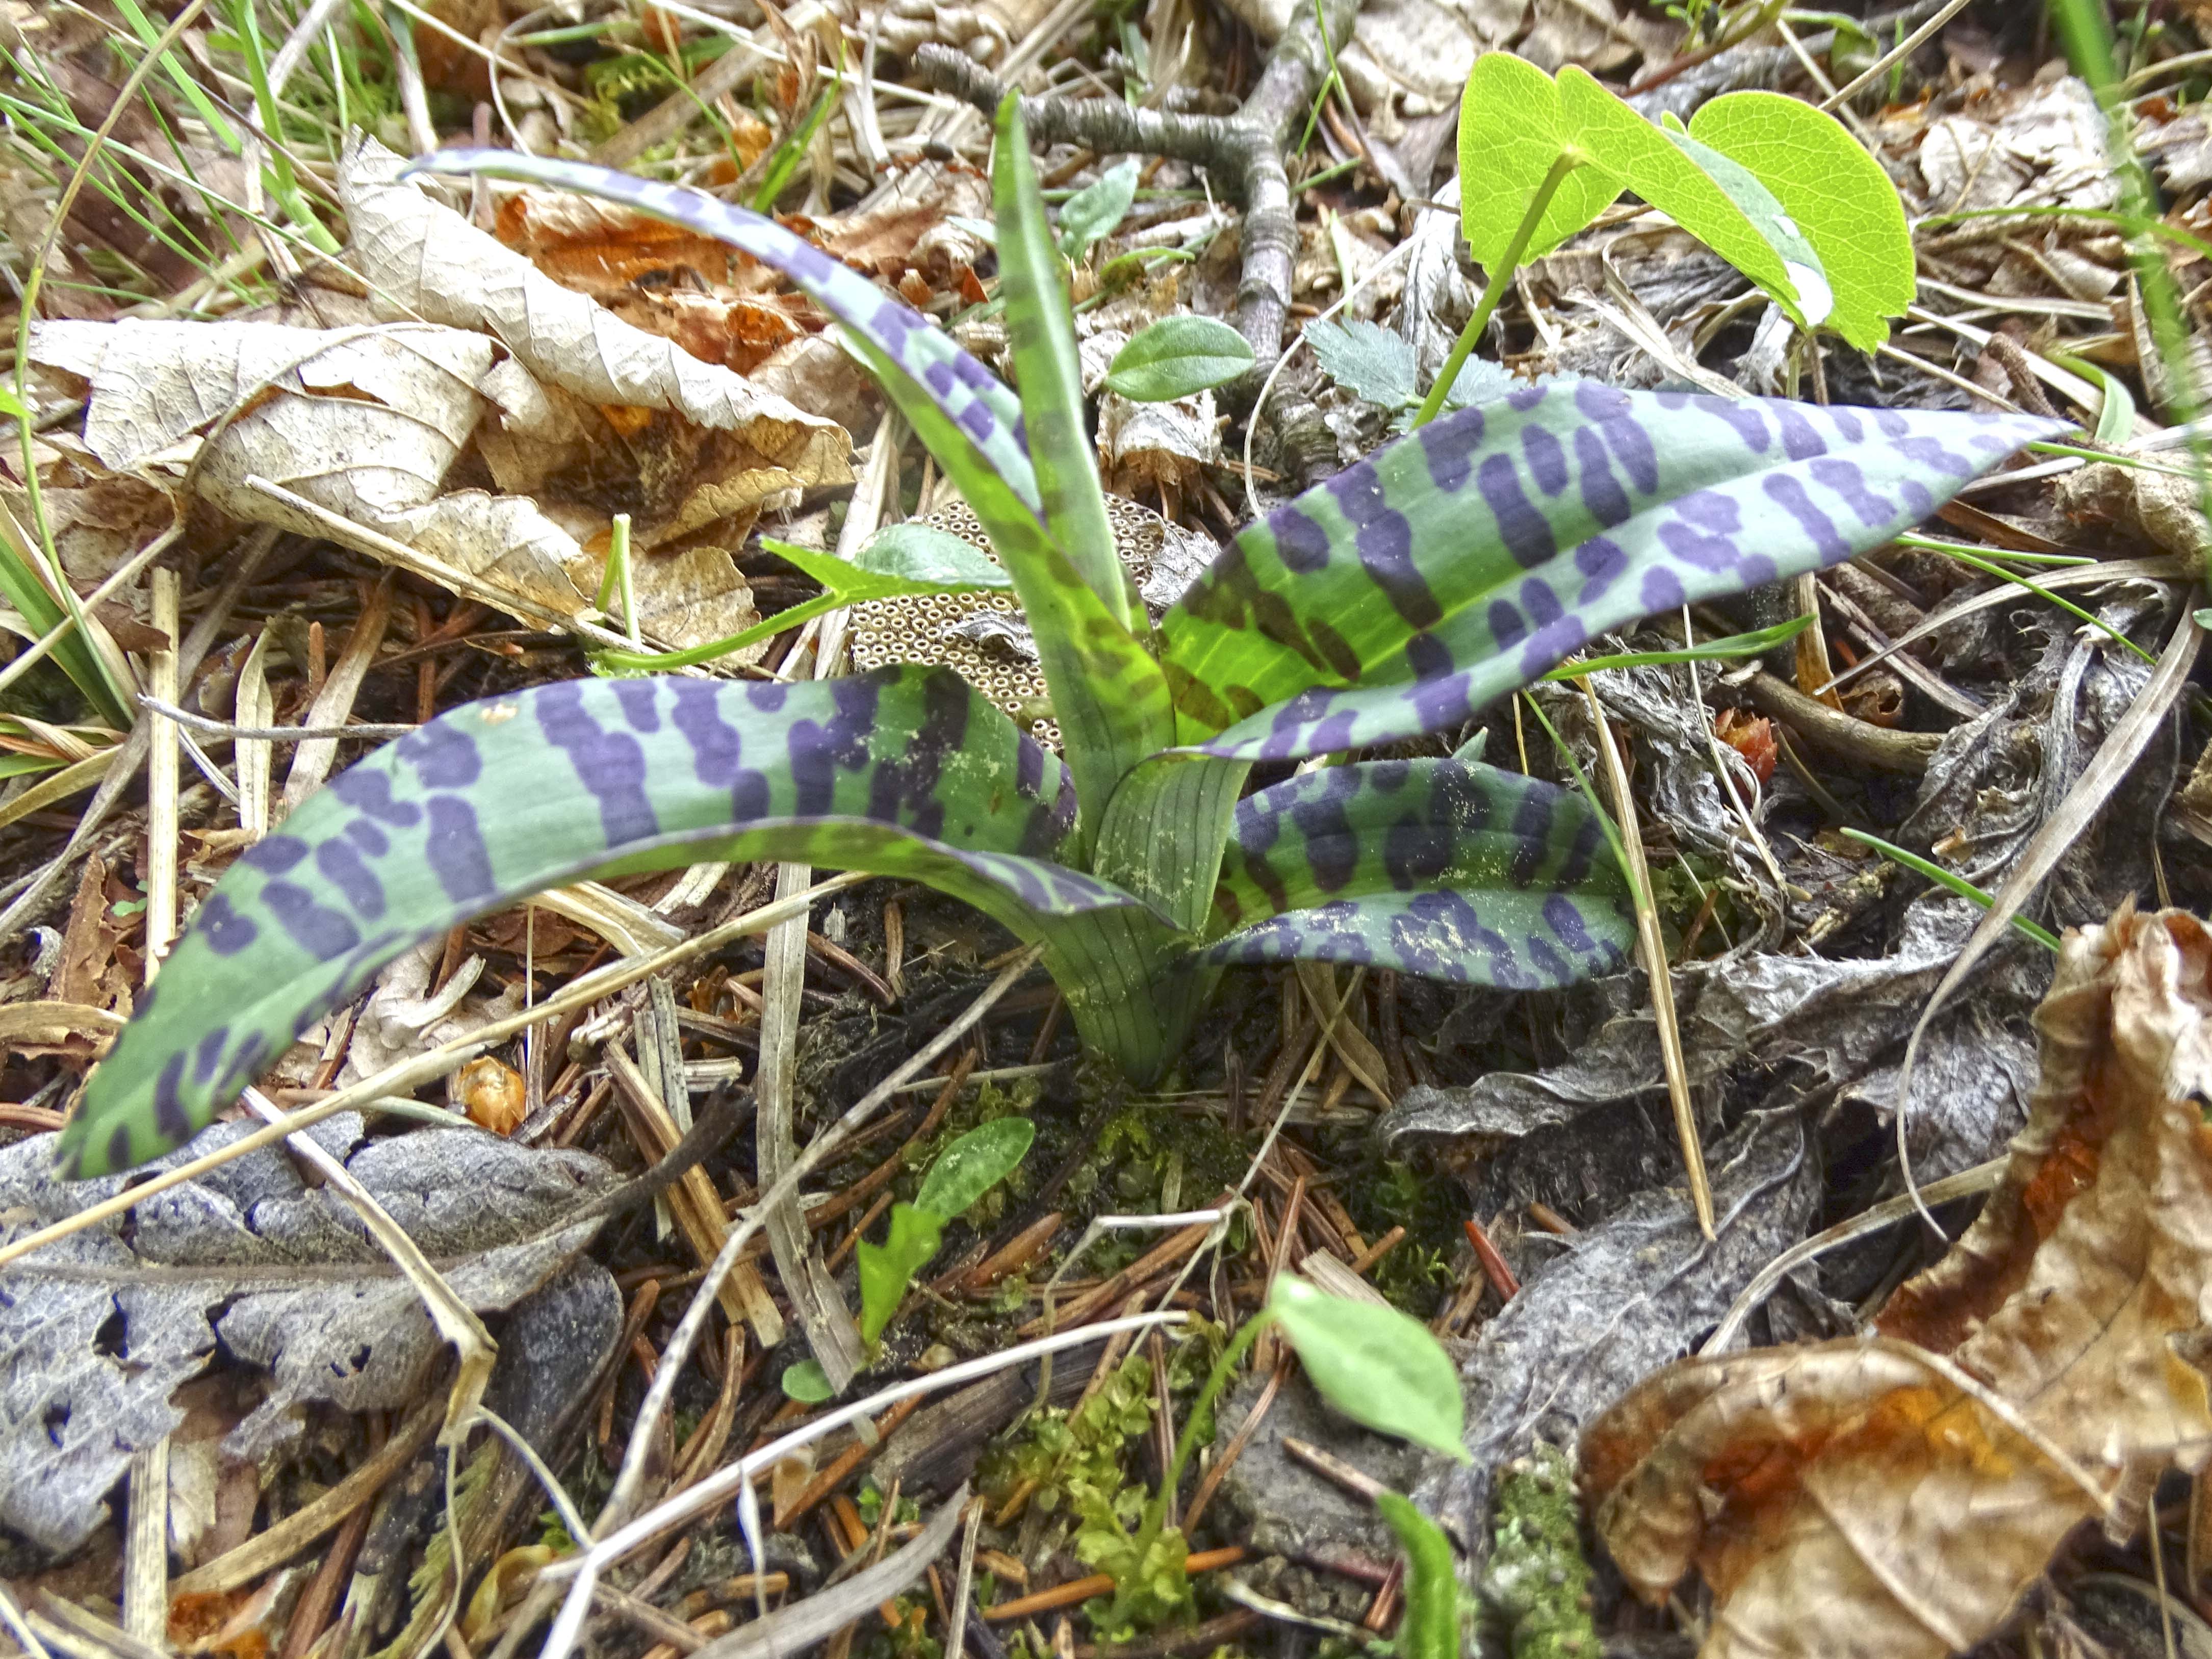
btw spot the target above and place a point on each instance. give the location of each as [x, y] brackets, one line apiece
[1896, 1495]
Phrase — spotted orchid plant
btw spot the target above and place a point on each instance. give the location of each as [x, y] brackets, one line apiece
[1393, 602]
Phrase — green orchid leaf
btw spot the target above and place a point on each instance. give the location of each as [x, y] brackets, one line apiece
[1511, 129]
[1715, 199]
[1041, 330]
[1451, 869]
[1097, 210]
[1164, 830]
[907, 771]
[924, 356]
[1834, 191]
[1431, 1627]
[1380, 1368]
[1178, 357]
[973, 1164]
[1108, 693]
[1468, 558]
[888, 1268]
[1756, 643]
[908, 558]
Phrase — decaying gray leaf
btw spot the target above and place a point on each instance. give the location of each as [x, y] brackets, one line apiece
[2040, 146]
[97, 1332]
[1631, 1294]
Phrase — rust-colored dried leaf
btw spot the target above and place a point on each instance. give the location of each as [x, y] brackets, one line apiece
[492, 1093]
[1751, 736]
[1894, 1496]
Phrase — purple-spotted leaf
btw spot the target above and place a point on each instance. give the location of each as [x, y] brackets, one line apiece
[1450, 869]
[971, 396]
[1466, 559]
[907, 771]
[1108, 694]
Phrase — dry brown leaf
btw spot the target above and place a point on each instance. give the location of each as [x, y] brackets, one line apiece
[2040, 146]
[757, 451]
[1895, 1496]
[1416, 53]
[368, 422]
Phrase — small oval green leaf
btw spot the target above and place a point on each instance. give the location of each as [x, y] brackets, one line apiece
[973, 1164]
[1178, 357]
[807, 1382]
[1093, 212]
[1375, 1365]
[935, 561]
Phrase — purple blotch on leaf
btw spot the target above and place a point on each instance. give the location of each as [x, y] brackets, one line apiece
[456, 852]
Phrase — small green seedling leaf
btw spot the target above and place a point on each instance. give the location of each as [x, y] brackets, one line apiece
[904, 559]
[807, 1382]
[1092, 212]
[1511, 129]
[1371, 361]
[1375, 1365]
[1479, 381]
[973, 1164]
[965, 1170]
[1836, 193]
[888, 1268]
[908, 558]
[1716, 200]
[2116, 420]
[1429, 1629]
[1178, 357]
[930, 559]
[1756, 643]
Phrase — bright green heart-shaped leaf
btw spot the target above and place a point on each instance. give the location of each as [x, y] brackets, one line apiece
[1715, 199]
[1511, 129]
[1178, 357]
[973, 1164]
[1375, 1365]
[1094, 212]
[1834, 191]
[888, 1268]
